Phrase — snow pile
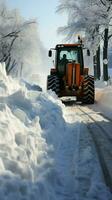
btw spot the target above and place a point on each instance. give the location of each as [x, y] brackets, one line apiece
[39, 78]
[28, 121]
[103, 98]
[7, 85]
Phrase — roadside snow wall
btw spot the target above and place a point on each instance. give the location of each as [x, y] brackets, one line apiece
[28, 121]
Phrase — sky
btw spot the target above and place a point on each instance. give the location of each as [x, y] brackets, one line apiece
[45, 13]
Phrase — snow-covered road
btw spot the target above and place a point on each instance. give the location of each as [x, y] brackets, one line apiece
[92, 163]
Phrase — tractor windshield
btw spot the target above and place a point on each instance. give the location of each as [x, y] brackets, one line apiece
[67, 55]
[71, 55]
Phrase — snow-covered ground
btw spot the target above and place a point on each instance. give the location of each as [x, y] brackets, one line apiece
[46, 152]
[103, 97]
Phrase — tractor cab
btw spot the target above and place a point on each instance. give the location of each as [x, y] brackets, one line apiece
[68, 54]
[65, 54]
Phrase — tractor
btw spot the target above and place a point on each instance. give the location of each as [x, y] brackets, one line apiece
[69, 77]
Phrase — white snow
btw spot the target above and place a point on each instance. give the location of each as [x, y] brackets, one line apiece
[46, 152]
[103, 97]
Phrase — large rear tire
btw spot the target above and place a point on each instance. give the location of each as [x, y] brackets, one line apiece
[88, 90]
[53, 83]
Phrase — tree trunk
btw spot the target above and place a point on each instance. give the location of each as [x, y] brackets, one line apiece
[98, 63]
[105, 56]
[95, 67]
[96, 59]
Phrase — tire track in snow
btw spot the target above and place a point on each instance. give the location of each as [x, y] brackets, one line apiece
[100, 132]
[65, 163]
[77, 163]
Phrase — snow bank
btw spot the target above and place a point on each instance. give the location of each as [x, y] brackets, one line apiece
[39, 78]
[28, 121]
[103, 98]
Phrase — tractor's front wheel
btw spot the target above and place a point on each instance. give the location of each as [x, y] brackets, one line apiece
[53, 83]
[88, 90]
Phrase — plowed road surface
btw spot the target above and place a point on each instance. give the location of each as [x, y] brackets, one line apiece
[85, 159]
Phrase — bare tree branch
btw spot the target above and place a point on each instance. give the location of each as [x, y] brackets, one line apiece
[12, 67]
[103, 2]
[109, 36]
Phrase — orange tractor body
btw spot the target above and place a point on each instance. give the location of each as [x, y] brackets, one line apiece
[69, 77]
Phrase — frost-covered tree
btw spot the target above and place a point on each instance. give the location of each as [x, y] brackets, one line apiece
[91, 19]
[107, 5]
[82, 21]
[20, 45]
